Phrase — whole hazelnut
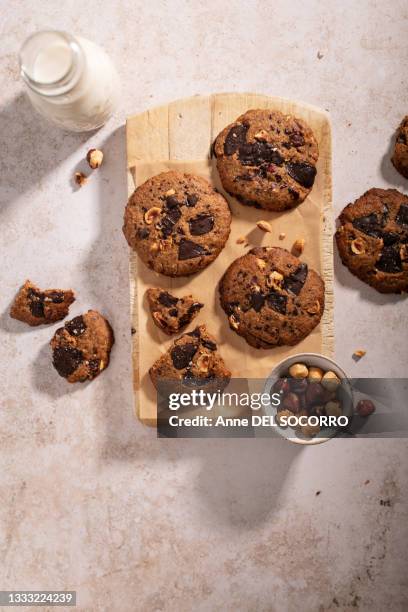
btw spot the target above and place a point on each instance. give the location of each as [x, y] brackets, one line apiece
[298, 385]
[291, 402]
[318, 410]
[298, 370]
[314, 394]
[281, 386]
[315, 374]
[330, 381]
[281, 413]
[310, 430]
[365, 408]
[94, 157]
[333, 408]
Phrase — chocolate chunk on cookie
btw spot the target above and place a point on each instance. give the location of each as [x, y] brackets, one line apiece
[400, 155]
[81, 349]
[35, 306]
[372, 239]
[193, 360]
[271, 298]
[172, 314]
[177, 223]
[267, 159]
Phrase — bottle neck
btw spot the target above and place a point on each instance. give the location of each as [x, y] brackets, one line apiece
[51, 63]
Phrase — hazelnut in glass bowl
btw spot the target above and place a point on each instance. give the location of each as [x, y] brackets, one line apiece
[311, 398]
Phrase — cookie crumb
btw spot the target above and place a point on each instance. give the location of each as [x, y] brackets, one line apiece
[367, 482]
[358, 354]
[80, 178]
[319, 55]
[282, 236]
[318, 493]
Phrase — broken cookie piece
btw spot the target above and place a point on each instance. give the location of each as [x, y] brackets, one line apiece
[193, 360]
[170, 313]
[35, 307]
[81, 349]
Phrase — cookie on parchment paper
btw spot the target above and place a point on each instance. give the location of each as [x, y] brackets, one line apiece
[267, 159]
[177, 223]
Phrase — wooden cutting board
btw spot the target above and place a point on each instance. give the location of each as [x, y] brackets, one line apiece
[179, 135]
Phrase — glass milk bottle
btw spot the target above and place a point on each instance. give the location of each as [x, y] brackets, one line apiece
[70, 80]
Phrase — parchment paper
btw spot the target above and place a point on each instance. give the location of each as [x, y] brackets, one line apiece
[244, 361]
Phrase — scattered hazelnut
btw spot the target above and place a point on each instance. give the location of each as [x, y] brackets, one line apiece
[275, 280]
[298, 247]
[314, 308]
[260, 263]
[282, 413]
[94, 158]
[333, 408]
[80, 178]
[291, 402]
[359, 353]
[315, 374]
[241, 240]
[203, 362]
[298, 370]
[357, 246]
[169, 193]
[365, 408]
[264, 226]
[330, 381]
[282, 236]
[152, 215]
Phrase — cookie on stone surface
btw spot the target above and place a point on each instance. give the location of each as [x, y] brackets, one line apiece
[373, 239]
[81, 349]
[400, 156]
[193, 360]
[267, 159]
[172, 314]
[271, 298]
[35, 307]
[177, 223]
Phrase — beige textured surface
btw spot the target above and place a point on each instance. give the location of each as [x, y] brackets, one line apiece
[89, 498]
[188, 127]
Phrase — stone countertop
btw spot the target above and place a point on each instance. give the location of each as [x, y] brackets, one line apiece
[90, 499]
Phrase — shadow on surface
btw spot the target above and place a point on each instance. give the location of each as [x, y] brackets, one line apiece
[31, 148]
[46, 379]
[388, 172]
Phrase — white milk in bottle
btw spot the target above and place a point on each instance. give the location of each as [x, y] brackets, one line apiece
[70, 80]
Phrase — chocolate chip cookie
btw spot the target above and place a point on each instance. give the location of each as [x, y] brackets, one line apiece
[373, 239]
[267, 159]
[81, 349]
[172, 314]
[34, 306]
[177, 223]
[194, 360]
[400, 157]
[271, 298]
